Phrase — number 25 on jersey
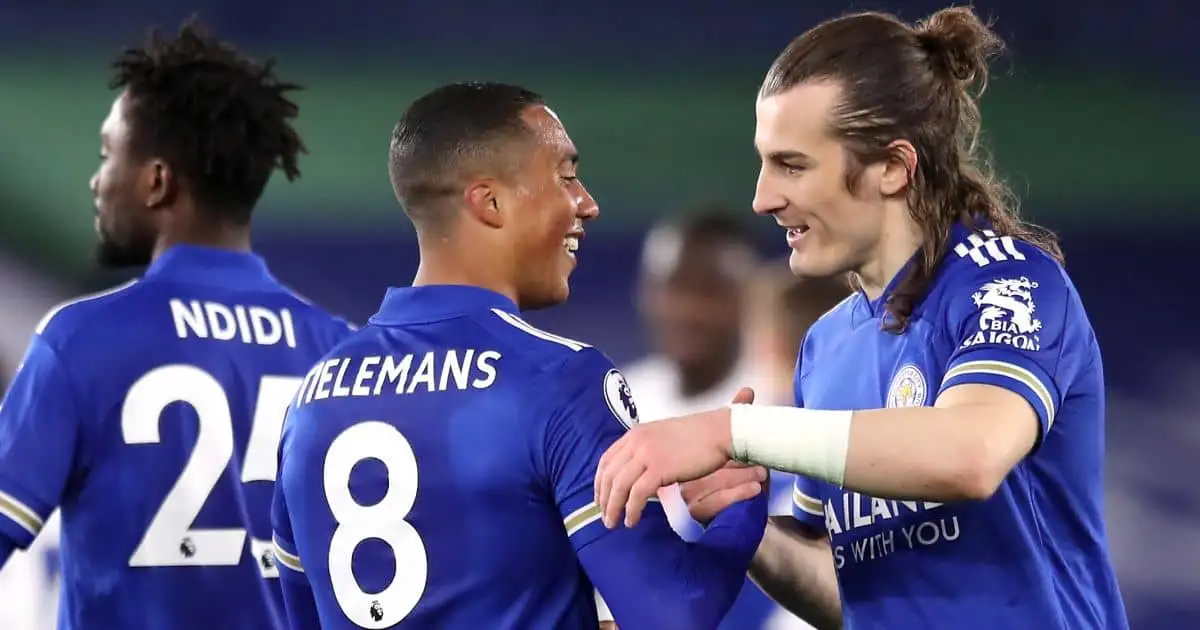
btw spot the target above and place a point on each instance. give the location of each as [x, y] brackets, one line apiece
[169, 539]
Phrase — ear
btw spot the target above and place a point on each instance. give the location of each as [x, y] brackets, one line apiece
[158, 183]
[483, 201]
[899, 169]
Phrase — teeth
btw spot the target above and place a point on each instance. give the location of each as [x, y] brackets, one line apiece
[571, 243]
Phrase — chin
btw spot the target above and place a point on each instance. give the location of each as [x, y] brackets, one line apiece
[545, 299]
[110, 255]
[807, 265]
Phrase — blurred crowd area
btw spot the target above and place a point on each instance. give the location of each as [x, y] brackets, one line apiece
[1090, 119]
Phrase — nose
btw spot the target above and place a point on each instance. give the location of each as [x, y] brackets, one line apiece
[94, 183]
[586, 207]
[767, 200]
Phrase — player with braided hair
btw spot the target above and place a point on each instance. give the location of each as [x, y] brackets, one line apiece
[151, 413]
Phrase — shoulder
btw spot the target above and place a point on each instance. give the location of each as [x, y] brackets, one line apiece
[85, 314]
[306, 310]
[984, 254]
[565, 372]
[1004, 279]
[985, 265]
[538, 349]
[830, 328]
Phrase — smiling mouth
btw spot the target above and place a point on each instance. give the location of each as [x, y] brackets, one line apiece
[571, 243]
[794, 232]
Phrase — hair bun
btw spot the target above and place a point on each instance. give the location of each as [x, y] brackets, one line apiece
[960, 43]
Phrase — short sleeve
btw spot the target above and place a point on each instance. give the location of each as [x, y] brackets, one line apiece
[589, 407]
[39, 431]
[283, 542]
[808, 502]
[1011, 323]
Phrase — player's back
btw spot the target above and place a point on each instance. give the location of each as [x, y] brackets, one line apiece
[426, 431]
[178, 384]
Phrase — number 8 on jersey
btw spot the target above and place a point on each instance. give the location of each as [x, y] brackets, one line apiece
[383, 520]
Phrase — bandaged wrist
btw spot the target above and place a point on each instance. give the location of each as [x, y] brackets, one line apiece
[809, 442]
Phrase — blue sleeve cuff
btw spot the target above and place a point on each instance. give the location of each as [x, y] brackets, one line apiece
[807, 508]
[20, 521]
[286, 557]
[1010, 370]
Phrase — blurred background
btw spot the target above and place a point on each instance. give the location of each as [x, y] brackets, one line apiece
[1090, 118]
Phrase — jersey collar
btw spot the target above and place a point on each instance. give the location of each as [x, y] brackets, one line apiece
[958, 232]
[409, 305]
[209, 265]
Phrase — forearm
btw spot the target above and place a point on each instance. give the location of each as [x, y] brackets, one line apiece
[652, 579]
[916, 453]
[796, 570]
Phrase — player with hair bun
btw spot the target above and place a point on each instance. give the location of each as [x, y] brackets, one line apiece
[948, 424]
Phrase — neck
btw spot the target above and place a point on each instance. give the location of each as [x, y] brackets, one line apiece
[445, 262]
[185, 229]
[900, 239]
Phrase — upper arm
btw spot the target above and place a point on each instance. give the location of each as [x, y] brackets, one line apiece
[589, 407]
[299, 603]
[1011, 325]
[283, 541]
[39, 430]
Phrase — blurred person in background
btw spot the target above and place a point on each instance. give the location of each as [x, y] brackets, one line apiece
[151, 412]
[949, 427]
[780, 307]
[690, 294]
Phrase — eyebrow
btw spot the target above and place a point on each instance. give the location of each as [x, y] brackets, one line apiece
[788, 156]
[570, 158]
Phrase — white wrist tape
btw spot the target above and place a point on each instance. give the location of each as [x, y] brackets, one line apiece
[809, 442]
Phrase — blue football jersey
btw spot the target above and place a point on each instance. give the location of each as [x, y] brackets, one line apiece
[437, 468]
[999, 312]
[150, 415]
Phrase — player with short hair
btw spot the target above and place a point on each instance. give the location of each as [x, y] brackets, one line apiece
[965, 487]
[436, 469]
[150, 414]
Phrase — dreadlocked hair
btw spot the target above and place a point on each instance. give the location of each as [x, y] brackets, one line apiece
[220, 120]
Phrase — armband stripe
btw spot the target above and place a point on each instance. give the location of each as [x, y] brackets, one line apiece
[283, 557]
[586, 515]
[20, 513]
[1014, 372]
[807, 503]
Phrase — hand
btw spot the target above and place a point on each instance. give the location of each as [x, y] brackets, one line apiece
[707, 496]
[656, 454]
[608, 625]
